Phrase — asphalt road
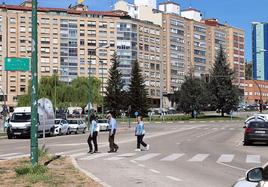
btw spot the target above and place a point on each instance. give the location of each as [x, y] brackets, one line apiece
[182, 154]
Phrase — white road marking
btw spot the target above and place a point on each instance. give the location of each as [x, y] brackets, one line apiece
[147, 156]
[231, 129]
[9, 154]
[133, 161]
[127, 155]
[253, 159]
[78, 154]
[141, 165]
[234, 167]
[95, 156]
[154, 171]
[18, 156]
[70, 144]
[199, 158]
[172, 157]
[174, 178]
[226, 158]
[114, 158]
[178, 143]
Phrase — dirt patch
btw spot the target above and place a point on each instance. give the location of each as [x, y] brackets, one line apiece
[60, 172]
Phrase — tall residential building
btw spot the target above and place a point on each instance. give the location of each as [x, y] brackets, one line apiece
[260, 50]
[191, 43]
[75, 41]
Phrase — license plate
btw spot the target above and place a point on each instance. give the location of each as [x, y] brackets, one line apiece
[17, 133]
[260, 132]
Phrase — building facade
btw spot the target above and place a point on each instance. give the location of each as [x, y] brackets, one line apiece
[75, 42]
[256, 91]
[259, 50]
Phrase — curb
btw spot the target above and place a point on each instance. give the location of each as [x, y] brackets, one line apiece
[90, 175]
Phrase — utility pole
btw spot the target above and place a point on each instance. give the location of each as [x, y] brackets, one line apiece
[34, 104]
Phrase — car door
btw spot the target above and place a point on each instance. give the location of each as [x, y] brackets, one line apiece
[64, 126]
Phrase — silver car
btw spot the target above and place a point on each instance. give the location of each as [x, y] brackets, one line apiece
[103, 124]
[77, 125]
[256, 177]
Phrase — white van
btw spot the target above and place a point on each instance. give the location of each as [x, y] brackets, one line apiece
[20, 121]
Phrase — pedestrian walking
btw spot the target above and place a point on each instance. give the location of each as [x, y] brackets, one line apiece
[94, 129]
[112, 131]
[140, 133]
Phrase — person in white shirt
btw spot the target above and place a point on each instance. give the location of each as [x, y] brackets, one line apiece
[94, 129]
[140, 132]
[112, 131]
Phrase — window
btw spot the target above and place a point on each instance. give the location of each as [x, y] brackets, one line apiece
[102, 43]
[91, 24]
[82, 42]
[91, 42]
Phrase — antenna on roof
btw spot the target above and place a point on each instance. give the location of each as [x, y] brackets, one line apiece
[70, 6]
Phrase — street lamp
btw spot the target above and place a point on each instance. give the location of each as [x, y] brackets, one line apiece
[90, 82]
[260, 101]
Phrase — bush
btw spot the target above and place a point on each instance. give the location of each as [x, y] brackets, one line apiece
[27, 169]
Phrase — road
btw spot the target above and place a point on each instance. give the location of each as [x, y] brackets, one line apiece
[181, 154]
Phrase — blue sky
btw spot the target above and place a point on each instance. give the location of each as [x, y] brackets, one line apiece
[238, 13]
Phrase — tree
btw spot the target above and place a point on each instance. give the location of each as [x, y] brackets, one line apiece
[114, 99]
[248, 70]
[75, 94]
[224, 95]
[193, 95]
[138, 99]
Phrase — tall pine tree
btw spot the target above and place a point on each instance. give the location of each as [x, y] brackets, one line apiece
[137, 93]
[224, 95]
[113, 99]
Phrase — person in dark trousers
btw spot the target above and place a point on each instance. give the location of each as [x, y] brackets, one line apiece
[112, 131]
[140, 132]
[94, 129]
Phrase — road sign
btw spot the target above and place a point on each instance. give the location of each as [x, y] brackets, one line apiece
[17, 64]
[136, 114]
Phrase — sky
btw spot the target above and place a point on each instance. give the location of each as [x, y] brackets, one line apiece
[237, 13]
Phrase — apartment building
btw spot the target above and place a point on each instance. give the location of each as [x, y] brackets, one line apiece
[190, 42]
[75, 42]
[256, 91]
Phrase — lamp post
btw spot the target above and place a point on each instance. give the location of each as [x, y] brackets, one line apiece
[90, 82]
[260, 101]
[34, 104]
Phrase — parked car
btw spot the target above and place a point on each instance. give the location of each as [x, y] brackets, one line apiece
[103, 124]
[256, 131]
[256, 177]
[77, 125]
[61, 127]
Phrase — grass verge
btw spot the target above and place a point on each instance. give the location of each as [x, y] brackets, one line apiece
[49, 172]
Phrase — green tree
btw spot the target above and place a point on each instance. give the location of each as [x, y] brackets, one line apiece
[224, 95]
[248, 70]
[137, 93]
[114, 100]
[193, 95]
[63, 95]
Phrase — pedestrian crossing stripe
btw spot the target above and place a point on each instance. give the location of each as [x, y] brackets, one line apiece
[135, 157]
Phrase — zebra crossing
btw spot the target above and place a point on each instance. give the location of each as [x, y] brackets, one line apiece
[162, 157]
[176, 157]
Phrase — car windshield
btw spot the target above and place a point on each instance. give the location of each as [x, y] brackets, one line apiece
[57, 121]
[73, 121]
[102, 121]
[21, 117]
[258, 124]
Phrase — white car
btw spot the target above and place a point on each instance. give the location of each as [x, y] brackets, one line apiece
[256, 177]
[61, 127]
[77, 125]
[103, 124]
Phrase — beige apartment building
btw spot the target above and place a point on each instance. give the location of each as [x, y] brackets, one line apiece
[190, 42]
[75, 41]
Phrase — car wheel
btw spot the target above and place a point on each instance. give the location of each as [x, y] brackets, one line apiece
[68, 131]
[51, 132]
[76, 131]
[246, 143]
[9, 136]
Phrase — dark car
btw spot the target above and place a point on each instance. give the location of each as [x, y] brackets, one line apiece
[256, 131]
